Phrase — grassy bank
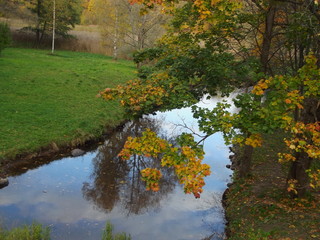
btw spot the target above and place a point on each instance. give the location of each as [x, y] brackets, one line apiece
[52, 98]
[260, 208]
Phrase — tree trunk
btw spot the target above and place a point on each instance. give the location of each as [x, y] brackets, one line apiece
[301, 56]
[245, 161]
[42, 32]
[298, 174]
[267, 38]
[38, 23]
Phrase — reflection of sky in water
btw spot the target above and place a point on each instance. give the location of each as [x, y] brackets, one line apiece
[52, 195]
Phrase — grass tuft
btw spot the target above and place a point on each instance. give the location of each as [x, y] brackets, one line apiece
[109, 235]
[32, 232]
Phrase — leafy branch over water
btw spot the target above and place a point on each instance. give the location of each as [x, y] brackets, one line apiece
[186, 159]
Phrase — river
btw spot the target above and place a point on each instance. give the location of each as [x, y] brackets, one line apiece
[75, 196]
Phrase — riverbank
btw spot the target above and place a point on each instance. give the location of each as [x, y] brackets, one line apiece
[49, 103]
[259, 208]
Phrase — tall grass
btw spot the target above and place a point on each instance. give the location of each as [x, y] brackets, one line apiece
[38, 232]
[52, 98]
[109, 235]
[32, 232]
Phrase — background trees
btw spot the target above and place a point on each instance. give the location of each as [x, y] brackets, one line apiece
[122, 26]
[67, 15]
[118, 26]
[41, 12]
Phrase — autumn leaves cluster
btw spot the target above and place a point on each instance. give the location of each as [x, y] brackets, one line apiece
[186, 159]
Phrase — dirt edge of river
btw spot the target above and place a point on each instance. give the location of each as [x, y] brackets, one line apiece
[233, 159]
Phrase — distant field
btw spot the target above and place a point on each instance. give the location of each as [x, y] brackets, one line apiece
[52, 98]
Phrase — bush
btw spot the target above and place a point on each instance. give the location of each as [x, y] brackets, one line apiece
[5, 36]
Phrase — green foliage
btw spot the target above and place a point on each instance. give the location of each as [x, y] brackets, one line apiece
[237, 128]
[148, 54]
[218, 71]
[109, 235]
[67, 15]
[32, 232]
[5, 36]
[218, 119]
[47, 98]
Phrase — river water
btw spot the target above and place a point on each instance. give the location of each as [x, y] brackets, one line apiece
[76, 196]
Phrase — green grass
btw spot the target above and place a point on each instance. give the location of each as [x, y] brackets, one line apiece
[52, 98]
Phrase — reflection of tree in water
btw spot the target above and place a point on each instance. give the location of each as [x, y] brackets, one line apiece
[118, 181]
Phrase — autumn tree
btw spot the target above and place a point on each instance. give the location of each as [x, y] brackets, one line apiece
[213, 47]
[277, 34]
[291, 104]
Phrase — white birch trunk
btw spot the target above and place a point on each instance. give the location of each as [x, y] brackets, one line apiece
[53, 25]
[116, 33]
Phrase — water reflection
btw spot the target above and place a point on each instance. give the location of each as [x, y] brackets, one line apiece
[119, 181]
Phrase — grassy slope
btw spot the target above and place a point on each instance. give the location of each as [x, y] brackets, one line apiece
[260, 208]
[52, 98]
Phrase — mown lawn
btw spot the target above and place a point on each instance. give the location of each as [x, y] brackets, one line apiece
[52, 98]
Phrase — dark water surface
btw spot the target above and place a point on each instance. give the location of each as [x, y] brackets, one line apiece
[76, 196]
